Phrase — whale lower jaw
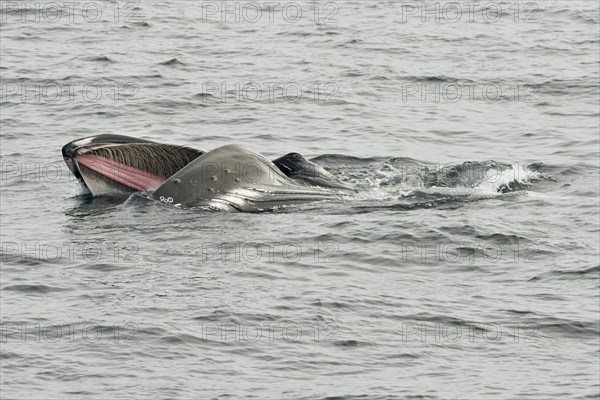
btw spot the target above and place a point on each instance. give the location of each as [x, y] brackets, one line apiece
[251, 200]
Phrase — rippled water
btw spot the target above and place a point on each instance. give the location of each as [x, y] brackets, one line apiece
[465, 267]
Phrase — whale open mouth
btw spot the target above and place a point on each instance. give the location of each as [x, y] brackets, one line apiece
[109, 168]
[124, 174]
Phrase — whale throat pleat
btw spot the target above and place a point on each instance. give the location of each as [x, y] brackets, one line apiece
[129, 176]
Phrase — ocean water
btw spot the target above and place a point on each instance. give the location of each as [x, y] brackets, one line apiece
[465, 267]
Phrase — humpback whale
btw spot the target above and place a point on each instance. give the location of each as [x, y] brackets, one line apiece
[228, 178]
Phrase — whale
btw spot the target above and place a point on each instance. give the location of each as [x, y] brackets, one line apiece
[232, 178]
[229, 178]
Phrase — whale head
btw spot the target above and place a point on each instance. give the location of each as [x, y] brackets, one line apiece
[298, 168]
[117, 164]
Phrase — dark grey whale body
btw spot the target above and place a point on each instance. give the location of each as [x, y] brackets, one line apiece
[228, 178]
[231, 178]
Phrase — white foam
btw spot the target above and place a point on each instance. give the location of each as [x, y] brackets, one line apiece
[496, 179]
[387, 185]
[78, 189]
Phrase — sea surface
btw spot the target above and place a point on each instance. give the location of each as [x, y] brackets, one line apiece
[465, 267]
